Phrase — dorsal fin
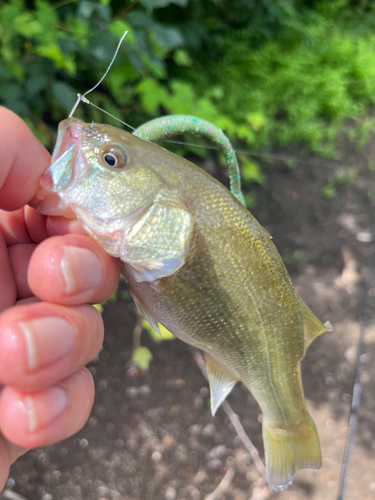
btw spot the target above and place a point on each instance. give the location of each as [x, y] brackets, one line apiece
[221, 382]
[312, 325]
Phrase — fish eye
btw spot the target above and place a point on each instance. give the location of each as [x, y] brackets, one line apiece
[114, 157]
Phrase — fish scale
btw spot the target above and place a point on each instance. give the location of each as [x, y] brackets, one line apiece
[198, 263]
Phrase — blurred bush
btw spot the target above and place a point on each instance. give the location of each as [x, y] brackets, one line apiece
[266, 72]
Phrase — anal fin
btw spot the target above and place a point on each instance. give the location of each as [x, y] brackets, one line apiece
[221, 382]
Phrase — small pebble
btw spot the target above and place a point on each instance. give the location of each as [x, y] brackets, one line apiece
[364, 237]
[214, 464]
[180, 383]
[132, 392]
[144, 390]
[198, 403]
[216, 452]
[48, 496]
[93, 421]
[83, 443]
[156, 456]
[102, 386]
[170, 494]
[101, 411]
[200, 477]
[204, 392]
[208, 430]
[103, 490]
[196, 429]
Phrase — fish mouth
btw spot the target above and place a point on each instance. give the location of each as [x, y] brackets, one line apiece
[57, 177]
[69, 133]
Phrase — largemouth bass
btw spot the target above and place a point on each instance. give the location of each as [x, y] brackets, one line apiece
[198, 263]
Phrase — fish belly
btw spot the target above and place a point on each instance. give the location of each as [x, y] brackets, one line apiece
[233, 299]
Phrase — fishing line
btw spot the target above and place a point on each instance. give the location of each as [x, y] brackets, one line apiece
[80, 97]
[86, 101]
[357, 389]
[257, 155]
[83, 98]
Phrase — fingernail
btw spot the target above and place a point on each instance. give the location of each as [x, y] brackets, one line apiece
[81, 269]
[47, 340]
[44, 407]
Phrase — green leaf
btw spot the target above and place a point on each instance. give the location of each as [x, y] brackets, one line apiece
[25, 25]
[45, 15]
[34, 85]
[158, 4]
[256, 120]
[142, 357]
[250, 171]
[51, 50]
[10, 92]
[118, 28]
[181, 58]
[165, 334]
[118, 77]
[152, 95]
[168, 37]
[329, 191]
[64, 95]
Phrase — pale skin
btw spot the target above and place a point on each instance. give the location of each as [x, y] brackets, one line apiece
[49, 274]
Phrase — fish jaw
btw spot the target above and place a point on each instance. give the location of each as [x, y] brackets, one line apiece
[57, 177]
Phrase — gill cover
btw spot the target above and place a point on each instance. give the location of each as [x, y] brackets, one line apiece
[102, 176]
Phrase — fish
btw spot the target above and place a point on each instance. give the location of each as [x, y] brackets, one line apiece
[199, 264]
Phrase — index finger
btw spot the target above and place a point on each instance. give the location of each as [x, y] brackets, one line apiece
[23, 159]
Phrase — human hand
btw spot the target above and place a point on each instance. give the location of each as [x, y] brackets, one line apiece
[48, 332]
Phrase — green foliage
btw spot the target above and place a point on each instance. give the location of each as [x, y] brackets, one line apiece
[250, 171]
[99, 307]
[142, 357]
[305, 81]
[165, 334]
[266, 72]
[341, 178]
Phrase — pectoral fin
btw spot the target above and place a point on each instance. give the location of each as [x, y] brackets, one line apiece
[221, 382]
[312, 326]
[156, 244]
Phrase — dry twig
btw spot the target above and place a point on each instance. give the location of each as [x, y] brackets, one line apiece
[244, 438]
[223, 485]
[234, 420]
[11, 495]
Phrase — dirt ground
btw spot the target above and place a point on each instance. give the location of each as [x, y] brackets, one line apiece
[152, 437]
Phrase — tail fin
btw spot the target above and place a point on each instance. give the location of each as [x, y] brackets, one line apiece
[287, 450]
